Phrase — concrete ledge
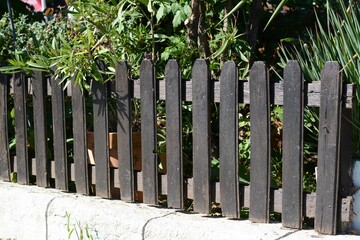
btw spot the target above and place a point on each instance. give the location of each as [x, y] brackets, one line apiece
[30, 212]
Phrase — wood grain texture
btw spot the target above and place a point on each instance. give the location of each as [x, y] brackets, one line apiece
[311, 94]
[229, 141]
[149, 132]
[5, 168]
[20, 106]
[346, 160]
[124, 131]
[80, 141]
[40, 129]
[260, 133]
[59, 131]
[328, 149]
[201, 136]
[292, 174]
[174, 155]
[101, 139]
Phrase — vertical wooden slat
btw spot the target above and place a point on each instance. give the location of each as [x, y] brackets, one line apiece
[346, 182]
[229, 141]
[292, 172]
[23, 164]
[59, 131]
[174, 155]
[4, 141]
[201, 135]
[40, 126]
[101, 139]
[260, 143]
[329, 149]
[124, 132]
[148, 132]
[80, 141]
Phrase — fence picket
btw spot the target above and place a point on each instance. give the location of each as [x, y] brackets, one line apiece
[23, 164]
[80, 141]
[40, 125]
[201, 135]
[229, 146]
[4, 141]
[260, 143]
[174, 155]
[101, 139]
[59, 131]
[148, 132]
[292, 172]
[124, 132]
[345, 181]
[328, 149]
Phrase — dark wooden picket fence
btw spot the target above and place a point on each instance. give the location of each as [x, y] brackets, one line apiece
[330, 205]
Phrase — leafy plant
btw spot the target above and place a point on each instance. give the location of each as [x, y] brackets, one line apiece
[336, 40]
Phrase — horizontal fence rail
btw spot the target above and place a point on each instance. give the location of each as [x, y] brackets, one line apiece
[330, 205]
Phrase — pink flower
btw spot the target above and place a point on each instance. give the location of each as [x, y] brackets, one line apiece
[35, 3]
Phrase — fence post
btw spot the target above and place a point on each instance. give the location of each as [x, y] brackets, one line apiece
[101, 138]
[124, 132]
[23, 163]
[174, 157]
[4, 141]
[201, 135]
[260, 143]
[59, 131]
[40, 126]
[148, 132]
[229, 141]
[80, 140]
[329, 149]
[293, 124]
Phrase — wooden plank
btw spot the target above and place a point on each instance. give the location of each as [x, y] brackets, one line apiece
[328, 149]
[101, 138]
[148, 132]
[174, 155]
[229, 141]
[201, 136]
[311, 94]
[260, 133]
[21, 128]
[59, 131]
[40, 128]
[124, 131]
[293, 134]
[5, 168]
[80, 141]
[346, 182]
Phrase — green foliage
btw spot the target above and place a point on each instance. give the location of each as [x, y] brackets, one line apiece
[81, 233]
[337, 40]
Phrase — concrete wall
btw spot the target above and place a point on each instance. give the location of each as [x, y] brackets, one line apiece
[29, 212]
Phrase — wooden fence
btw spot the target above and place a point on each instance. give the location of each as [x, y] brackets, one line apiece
[330, 205]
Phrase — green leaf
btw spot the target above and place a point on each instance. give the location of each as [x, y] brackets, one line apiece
[239, 5]
[177, 19]
[221, 49]
[276, 12]
[160, 12]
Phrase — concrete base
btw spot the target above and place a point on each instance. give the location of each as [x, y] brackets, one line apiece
[30, 212]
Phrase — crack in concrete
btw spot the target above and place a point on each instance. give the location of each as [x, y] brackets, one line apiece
[148, 221]
[46, 217]
[286, 235]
